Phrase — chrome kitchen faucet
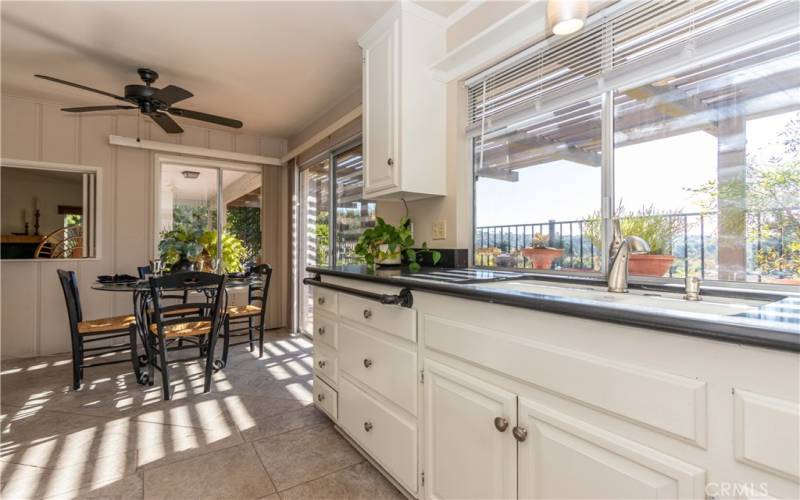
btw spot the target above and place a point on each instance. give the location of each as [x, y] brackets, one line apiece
[620, 251]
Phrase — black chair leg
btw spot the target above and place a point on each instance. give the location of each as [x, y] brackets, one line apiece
[261, 340]
[162, 353]
[137, 369]
[77, 361]
[226, 340]
[212, 341]
[151, 358]
[250, 332]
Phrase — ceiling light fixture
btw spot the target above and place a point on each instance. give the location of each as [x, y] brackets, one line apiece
[566, 16]
[190, 174]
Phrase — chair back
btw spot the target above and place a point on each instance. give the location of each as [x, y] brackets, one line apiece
[212, 285]
[69, 284]
[143, 271]
[260, 294]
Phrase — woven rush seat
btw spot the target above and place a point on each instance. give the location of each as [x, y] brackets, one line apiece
[246, 310]
[102, 325]
[187, 329]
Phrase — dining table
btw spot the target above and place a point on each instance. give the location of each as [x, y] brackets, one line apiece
[141, 297]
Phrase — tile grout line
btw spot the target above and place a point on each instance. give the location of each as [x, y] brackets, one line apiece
[264, 466]
[363, 460]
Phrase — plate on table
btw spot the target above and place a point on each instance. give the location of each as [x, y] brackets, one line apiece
[117, 279]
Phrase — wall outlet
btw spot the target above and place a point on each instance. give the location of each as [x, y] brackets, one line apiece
[439, 230]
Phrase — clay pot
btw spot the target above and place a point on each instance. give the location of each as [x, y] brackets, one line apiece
[542, 258]
[649, 265]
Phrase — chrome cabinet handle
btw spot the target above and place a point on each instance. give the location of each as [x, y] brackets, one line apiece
[520, 433]
[367, 362]
[321, 300]
[320, 397]
[367, 426]
[367, 314]
[501, 424]
[321, 330]
[390, 162]
[321, 363]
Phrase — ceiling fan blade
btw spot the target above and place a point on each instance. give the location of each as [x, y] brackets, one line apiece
[171, 94]
[96, 108]
[82, 87]
[166, 122]
[196, 115]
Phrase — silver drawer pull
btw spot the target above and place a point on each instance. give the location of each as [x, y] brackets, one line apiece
[367, 314]
[367, 426]
[501, 424]
[520, 433]
[321, 300]
[320, 397]
[321, 330]
[367, 362]
[321, 363]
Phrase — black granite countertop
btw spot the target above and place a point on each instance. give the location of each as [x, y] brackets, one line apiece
[775, 324]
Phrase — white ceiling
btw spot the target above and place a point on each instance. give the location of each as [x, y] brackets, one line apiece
[274, 65]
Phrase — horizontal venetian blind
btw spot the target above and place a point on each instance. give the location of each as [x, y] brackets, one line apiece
[611, 40]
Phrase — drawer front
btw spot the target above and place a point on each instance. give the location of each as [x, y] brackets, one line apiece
[325, 363]
[389, 370]
[396, 320]
[325, 330]
[387, 437]
[326, 398]
[325, 300]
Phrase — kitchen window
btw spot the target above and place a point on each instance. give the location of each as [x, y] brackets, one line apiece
[329, 226]
[679, 118]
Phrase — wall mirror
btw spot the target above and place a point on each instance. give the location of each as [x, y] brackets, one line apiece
[48, 211]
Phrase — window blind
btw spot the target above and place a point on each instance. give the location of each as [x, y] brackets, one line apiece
[613, 47]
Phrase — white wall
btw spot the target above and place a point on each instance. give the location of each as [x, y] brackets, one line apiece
[34, 319]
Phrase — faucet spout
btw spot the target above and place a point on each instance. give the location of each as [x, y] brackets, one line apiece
[618, 273]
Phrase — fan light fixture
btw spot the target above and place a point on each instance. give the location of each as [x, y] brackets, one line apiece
[190, 174]
[565, 17]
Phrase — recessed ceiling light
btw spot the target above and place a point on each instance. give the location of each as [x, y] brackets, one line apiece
[566, 16]
[190, 174]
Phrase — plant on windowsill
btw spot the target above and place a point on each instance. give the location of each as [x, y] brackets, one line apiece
[385, 244]
[185, 248]
[541, 255]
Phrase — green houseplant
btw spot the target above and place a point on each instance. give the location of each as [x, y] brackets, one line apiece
[183, 247]
[385, 244]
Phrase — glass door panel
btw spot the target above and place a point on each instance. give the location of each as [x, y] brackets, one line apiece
[313, 232]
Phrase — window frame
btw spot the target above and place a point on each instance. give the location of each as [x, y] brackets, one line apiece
[220, 167]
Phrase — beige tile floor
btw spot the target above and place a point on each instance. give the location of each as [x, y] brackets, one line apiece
[255, 435]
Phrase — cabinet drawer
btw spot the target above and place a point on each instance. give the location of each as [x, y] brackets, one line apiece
[325, 363]
[388, 369]
[325, 299]
[396, 320]
[325, 329]
[391, 440]
[325, 397]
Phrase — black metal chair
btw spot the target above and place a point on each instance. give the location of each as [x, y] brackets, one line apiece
[237, 316]
[198, 324]
[96, 330]
[144, 271]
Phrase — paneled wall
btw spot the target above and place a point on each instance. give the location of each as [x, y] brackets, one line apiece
[34, 319]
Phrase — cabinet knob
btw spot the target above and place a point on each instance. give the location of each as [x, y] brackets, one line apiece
[321, 330]
[367, 362]
[321, 363]
[367, 314]
[320, 397]
[367, 426]
[390, 162]
[520, 433]
[501, 424]
[321, 300]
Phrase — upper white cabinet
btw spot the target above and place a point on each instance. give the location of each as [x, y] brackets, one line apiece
[404, 107]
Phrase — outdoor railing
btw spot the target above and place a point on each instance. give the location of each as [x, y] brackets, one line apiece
[694, 244]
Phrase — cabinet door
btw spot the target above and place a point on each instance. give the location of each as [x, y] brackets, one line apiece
[467, 455]
[380, 114]
[564, 457]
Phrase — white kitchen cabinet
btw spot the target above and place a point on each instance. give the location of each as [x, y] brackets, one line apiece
[404, 106]
[469, 449]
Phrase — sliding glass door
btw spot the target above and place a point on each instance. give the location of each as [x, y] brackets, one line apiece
[313, 232]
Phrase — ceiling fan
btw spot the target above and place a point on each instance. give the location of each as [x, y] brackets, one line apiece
[153, 102]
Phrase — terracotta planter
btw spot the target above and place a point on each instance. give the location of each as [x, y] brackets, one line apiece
[542, 258]
[650, 265]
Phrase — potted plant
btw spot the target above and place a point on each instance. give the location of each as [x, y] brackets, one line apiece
[384, 245]
[541, 255]
[180, 247]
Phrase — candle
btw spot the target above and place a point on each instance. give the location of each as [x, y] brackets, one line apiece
[35, 203]
[24, 220]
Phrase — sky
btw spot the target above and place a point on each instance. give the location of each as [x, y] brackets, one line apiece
[650, 173]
